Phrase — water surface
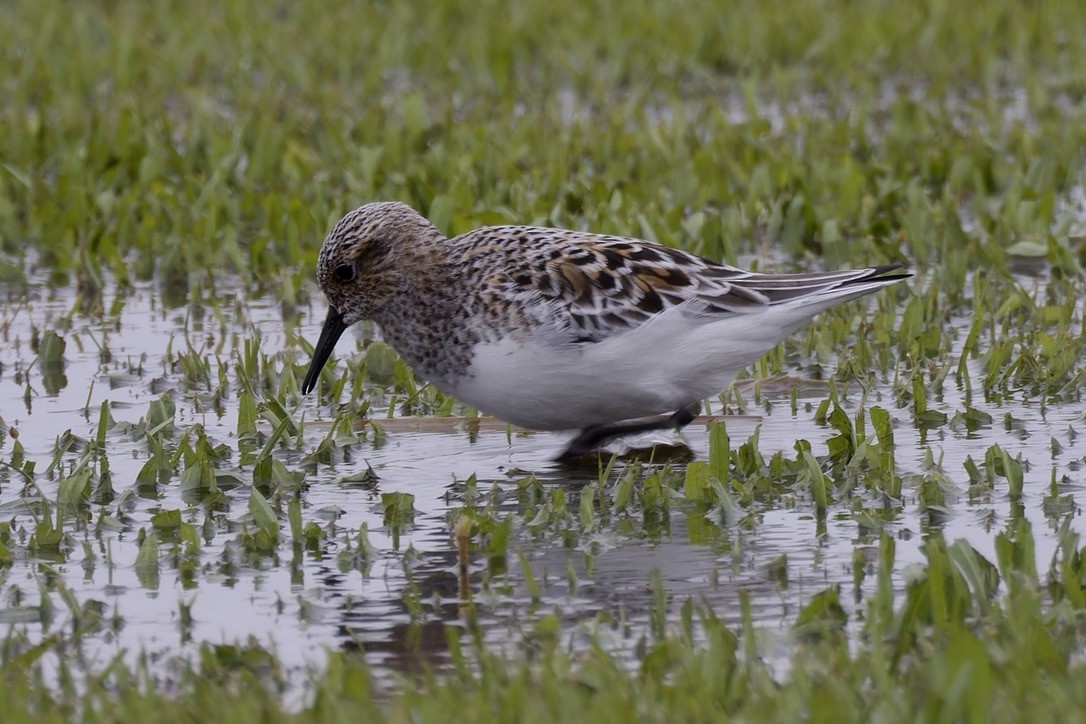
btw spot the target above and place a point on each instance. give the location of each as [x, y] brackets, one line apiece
[302, 601]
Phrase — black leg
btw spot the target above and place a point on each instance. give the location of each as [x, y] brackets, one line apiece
[685, 416]
[592, 438]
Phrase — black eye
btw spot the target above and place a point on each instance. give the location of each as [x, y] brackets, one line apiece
[344, 272]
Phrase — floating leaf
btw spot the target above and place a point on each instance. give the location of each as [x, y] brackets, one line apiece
[1028, 248]
[822, 618]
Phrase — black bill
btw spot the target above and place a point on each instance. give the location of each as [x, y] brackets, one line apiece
[330, 334]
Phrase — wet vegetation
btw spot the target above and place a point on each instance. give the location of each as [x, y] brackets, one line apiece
[881, 518]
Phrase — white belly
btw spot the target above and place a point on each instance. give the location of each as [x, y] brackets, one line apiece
[662, 366]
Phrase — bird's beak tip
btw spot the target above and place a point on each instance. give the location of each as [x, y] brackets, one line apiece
[330, 333]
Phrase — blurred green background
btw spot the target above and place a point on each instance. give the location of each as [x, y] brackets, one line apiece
[191, 137]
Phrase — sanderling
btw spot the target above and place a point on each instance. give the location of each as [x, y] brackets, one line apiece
[552, 329]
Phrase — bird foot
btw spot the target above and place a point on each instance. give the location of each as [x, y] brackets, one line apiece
[593, 438]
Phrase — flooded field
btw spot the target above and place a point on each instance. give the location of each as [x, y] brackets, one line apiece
[880, 521]
[363, 553]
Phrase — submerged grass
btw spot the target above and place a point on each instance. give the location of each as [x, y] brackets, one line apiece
[969, 641]
[206, 147]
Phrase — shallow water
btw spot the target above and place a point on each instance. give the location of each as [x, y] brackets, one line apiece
[301, 602]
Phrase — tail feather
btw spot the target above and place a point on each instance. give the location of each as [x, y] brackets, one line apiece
[814, 289]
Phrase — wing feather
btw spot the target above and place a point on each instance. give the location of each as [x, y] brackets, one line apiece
[587, 287]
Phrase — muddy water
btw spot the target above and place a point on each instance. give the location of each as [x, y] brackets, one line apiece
[300, 603]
